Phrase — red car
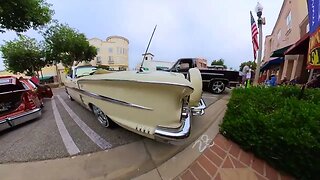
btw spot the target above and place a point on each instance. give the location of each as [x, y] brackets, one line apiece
[18, 102]
[42, 91]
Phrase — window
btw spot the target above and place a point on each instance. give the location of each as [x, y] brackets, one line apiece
[289, 20]
[110, 60]
[32, 84]
[85, 71]
[118, 50]
[25, 86]
[98, 59]
[110, 50]
[279, 34]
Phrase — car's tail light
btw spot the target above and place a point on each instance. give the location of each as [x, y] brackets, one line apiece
[28, 100]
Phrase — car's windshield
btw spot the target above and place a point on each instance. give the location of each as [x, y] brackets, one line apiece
[85, 71]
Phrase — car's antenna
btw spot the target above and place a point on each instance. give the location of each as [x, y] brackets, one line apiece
[144, 55]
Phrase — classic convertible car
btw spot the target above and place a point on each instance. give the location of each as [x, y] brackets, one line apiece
[158, 105]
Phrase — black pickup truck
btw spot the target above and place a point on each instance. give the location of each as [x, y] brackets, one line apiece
[214, 80]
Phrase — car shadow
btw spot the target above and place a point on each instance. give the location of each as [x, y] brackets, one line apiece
[19, 126]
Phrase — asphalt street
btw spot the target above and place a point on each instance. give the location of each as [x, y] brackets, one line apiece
[64, 129]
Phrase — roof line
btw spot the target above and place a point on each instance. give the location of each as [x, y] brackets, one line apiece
[120, 37]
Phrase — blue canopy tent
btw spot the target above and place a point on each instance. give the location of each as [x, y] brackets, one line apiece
[273, 62]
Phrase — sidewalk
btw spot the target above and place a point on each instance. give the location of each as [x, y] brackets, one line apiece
[225, 160]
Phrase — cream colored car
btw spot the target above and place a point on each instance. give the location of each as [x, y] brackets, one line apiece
[158, 105]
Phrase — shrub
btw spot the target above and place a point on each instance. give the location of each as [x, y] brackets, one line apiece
[277, 127]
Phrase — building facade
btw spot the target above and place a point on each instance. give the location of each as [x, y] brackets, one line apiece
[153, 65]
[113, 52]
[286, 32]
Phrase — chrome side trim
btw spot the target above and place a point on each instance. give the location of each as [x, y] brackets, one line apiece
[171, 135]
[216, 74]
[199, 110]
[109, 99]
[150, 82]
[8, 92]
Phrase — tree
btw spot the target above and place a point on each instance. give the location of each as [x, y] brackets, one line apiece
[21, 15]
[66, 45]
[24, 55]
[251, 64]
[219, 62]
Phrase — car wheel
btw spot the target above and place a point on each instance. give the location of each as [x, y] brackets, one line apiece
[217, 87]
[101, 117]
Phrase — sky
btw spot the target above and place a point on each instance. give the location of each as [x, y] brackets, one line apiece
[210, 29]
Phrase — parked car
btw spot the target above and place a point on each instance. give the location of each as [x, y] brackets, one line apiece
[18, 103]
[214, 79]
[158, 104]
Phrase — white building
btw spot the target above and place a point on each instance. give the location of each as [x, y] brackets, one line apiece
[112, 52]
[153, 65]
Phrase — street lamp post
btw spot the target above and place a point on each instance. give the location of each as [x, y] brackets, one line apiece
[259, 9]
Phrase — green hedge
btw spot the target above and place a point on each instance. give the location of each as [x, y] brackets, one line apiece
[278, 127]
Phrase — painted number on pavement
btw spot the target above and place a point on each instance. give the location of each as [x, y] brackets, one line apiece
[203, 142]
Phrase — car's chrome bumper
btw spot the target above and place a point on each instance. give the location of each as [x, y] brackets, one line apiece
[199, 110]
[20, 118]
[175, 135]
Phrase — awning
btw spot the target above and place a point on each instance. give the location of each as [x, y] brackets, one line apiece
[300, 47]
[280, 52]
[270, 63]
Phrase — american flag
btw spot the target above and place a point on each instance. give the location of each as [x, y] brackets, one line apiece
[254, 33]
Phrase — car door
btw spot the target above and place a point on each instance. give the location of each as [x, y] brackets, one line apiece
[43, 91]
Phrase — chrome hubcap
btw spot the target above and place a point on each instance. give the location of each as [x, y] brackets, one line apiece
[218, 86]
[102, 118]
